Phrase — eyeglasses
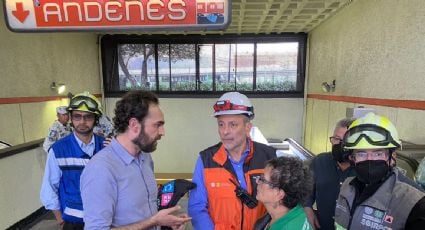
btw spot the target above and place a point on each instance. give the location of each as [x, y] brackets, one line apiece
[78, 101]
[227, 105]
[79, 117]
[373, 134]
[377, 155]
[335, 140]
[263, 180]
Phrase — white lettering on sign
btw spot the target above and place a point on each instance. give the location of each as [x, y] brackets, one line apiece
[92, 5]
[94, 11]
[115, 15]
[67, 5]
[111, 9]
[127, 9]
[56, 11]
[176, 10]
[152, 10]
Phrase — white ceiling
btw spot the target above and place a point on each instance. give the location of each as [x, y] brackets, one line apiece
[274, 16]
[278, 16]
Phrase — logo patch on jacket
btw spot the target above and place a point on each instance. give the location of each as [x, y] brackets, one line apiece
[219, 184]
[374, 218]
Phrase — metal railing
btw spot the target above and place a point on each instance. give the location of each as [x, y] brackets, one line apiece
[16, 149]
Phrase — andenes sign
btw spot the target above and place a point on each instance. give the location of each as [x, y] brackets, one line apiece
[116, 15]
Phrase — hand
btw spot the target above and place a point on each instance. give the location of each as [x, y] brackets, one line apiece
[165, 218]
[58, 217]
[312, 219]
[107, 141]
[181, 227]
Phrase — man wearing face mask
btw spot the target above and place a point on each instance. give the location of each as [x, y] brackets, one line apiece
[377, 198]
[330, 169]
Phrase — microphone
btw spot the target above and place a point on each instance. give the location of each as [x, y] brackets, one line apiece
[170, 193]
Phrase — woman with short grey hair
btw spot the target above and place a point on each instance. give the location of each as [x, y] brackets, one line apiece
[283, 188]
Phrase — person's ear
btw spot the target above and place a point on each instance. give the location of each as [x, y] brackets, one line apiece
[134, 125]
[281, 194]
[248, 127]
[393, 158]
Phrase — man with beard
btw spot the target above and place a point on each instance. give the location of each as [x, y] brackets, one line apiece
[377, 198]
[118, 185]
[60, 191]
[226, 173]
[329, 171]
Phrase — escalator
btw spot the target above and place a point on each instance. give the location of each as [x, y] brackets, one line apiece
[4, 145]
[290, 147]
[409, 157]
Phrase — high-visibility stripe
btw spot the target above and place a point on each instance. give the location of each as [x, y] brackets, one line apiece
[72, 161]
[73, 212]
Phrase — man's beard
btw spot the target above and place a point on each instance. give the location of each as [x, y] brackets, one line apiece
[83, 132]
[144, 143]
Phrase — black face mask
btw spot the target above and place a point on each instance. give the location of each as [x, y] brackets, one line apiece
[339, 154]
[372, 171]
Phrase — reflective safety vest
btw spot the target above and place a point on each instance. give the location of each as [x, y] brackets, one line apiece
[72, 160]
[388, 208]
[225, 209]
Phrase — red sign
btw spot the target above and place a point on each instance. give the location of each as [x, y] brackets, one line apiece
[116, 15]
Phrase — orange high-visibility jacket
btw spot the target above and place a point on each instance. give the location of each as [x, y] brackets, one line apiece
[225, 209]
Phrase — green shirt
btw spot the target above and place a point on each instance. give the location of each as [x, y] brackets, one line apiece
[295, 219]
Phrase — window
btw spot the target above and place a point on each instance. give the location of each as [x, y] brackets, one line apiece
[205, 65]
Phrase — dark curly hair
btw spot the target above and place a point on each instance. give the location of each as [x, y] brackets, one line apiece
[290, 175]
[134, 104]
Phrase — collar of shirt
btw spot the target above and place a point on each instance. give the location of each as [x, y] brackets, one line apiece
[123, 154]
[87, 148]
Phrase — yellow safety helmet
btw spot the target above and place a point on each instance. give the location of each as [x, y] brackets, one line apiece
[85, 102]
[371, 132]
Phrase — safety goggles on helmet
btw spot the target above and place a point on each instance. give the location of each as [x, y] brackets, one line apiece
[373, 134]
[78, 101]
[227, 105]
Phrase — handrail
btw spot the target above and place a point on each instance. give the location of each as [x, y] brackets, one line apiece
[307, 153]
[411, 162]
[10, 151]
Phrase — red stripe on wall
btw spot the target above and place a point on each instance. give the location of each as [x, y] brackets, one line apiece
[17, 100]
[408, 104]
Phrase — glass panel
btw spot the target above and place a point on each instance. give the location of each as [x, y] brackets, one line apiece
[164, 67]
[244, 67]
[277, 66]
[206, 67]
[222, 67]
[225, 67]
[136, 66]
[183, 67]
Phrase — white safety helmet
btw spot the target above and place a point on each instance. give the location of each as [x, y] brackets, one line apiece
[233, 103]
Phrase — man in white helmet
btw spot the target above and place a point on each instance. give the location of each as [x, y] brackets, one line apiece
[225, 173]
[378, 197]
